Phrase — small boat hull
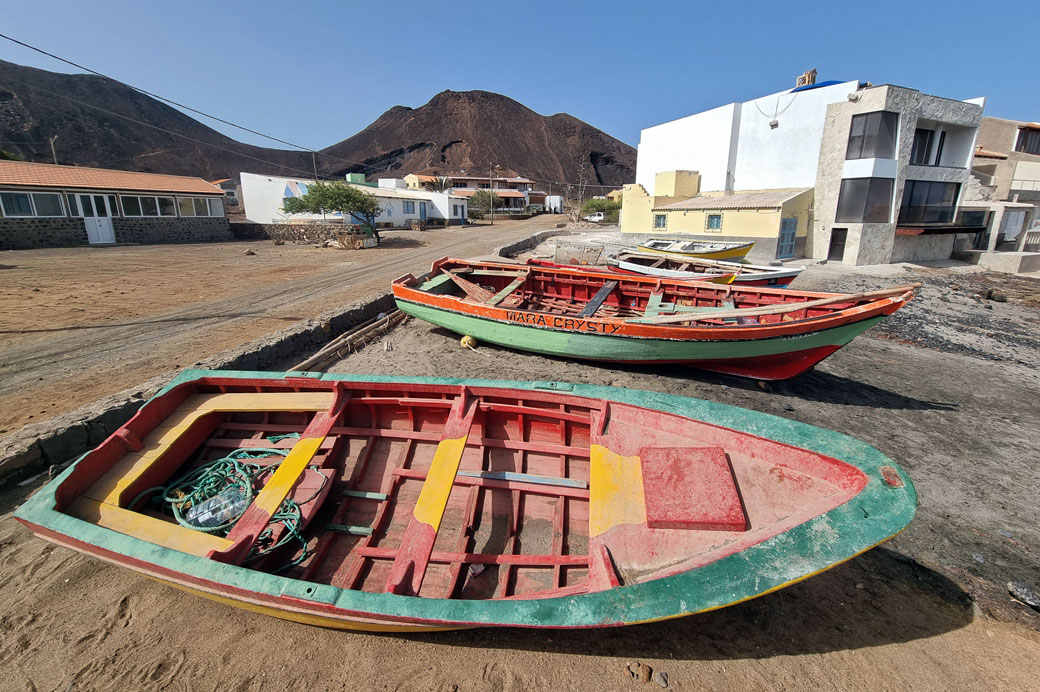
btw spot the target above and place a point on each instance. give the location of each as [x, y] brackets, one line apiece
[697, 248]
[780, 510]
[743, 274]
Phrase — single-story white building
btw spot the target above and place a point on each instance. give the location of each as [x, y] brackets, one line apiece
[263, 197]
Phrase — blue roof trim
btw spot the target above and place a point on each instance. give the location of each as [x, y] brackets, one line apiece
[807, 87]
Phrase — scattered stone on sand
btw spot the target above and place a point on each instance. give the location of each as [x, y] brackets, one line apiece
[977, 557]
[661, 679]
[249, 252]
[1021, 592]
[645, 673]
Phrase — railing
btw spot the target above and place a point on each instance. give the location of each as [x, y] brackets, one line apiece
[1031, 242]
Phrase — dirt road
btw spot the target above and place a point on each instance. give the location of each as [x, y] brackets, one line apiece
[81, 323]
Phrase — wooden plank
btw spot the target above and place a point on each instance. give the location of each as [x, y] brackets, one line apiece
[482, 558]
[353, 530]
[409, 569]
[597, 300]
[526, 478]
[363, 495]
[690, 489]
[534, 488]
[147, 528]
[435, 282]
[653, 306]
[501, 295]
[472, 441]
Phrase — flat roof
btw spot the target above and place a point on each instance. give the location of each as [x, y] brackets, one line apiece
[24, 174]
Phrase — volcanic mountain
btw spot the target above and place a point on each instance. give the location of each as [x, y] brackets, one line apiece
[100, 122]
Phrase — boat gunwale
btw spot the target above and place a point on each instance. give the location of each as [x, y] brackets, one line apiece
[717, 584]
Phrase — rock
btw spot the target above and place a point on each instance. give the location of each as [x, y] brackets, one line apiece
[645, 673]
[248, 252]
[988, 306]
[788, 407]
[633, 669]
[1005, 533]
[978, 558]
[279, 241]
[998, 297]
[661, 679]
[860, 585]
[1021, 592]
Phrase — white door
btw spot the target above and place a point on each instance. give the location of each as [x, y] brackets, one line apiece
[97, 216]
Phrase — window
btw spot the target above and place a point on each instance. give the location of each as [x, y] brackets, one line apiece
[409, 208]
[922, 145]
[865, 200]
[32, 204]
[713, 222]
[458, 183]
[1028, 141]
[660, 221]
[873, 136]
[925, 201]
[200, 206]
[148, 206]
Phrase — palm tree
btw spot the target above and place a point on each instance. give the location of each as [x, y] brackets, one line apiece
[441, 184]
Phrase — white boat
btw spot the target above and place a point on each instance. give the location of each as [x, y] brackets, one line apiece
[686, 267]
[708, 249]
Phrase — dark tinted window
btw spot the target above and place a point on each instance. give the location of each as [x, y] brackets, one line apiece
[928, 202]
[873, 136]
[865, 200]
[1028, 142]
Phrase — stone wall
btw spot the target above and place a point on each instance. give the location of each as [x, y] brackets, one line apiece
[24, 234]
[179, 230]
[289, 232]
[914, 248]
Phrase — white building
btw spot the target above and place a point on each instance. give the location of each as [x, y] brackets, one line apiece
[263, 197]
[888, 164]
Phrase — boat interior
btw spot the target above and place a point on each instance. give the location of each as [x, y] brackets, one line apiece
[579, 294]
[446, 491]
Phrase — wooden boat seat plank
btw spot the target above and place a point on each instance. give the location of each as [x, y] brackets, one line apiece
[551, 489]
[692, 489]
[505, 292]
[409, 568]
[436, 281]
[597, 300]
[653, 306]
[146, 528]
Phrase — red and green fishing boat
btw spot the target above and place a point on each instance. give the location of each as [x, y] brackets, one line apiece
[395, 504]
[756, 332]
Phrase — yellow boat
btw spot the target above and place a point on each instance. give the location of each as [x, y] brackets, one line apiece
[706, 249]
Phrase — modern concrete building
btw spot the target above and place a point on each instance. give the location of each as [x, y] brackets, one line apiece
[44, 205]
[887, 164]
[264, 195]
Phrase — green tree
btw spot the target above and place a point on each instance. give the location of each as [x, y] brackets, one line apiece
[9, 156]
[611, 210]
[441, 184]
[336, 196]
[482, 200]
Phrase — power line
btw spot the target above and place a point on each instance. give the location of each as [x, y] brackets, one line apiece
[162, 129]
[185, 107]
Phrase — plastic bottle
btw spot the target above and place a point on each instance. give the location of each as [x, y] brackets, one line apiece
[218, 510]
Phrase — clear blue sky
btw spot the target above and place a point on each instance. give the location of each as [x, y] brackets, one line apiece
[317, 72]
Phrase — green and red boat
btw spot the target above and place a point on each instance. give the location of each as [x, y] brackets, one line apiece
[397, 504]
[757, 332]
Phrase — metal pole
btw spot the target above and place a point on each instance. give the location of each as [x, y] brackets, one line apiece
[491, 195]
[53, 154]
[314, 164]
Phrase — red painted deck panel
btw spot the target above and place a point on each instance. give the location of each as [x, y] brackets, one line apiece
[689, 488]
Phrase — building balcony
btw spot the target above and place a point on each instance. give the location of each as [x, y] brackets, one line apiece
[926, 220]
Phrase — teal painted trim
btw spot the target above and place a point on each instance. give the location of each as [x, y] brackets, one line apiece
[574, 344]
[877, 513]
[525, 478]
[353, 530]
[361, 494]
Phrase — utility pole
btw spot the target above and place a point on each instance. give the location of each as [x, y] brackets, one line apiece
[314, 164]
[53, 154]
[491, 194]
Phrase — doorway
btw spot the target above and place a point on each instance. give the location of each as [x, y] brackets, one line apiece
[97, 217]
[836, 251]
[422, 211]
[785, 244]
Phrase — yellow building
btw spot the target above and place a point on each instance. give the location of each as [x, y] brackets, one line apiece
[777, 220]
[614, 196]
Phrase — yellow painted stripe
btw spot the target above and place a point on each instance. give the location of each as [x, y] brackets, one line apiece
[150, 529]
[433, 497]
[615, 490]
[284, 478]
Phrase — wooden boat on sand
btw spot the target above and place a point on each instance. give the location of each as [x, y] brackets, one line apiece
[395, 504]
[762, 333]
[705, 273]
[707, 249]
[698, 269]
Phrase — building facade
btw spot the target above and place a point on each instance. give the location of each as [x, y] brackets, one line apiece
[1007, 163]
[263, 197]
[516, 192]
[45, 205]
[887, 165]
